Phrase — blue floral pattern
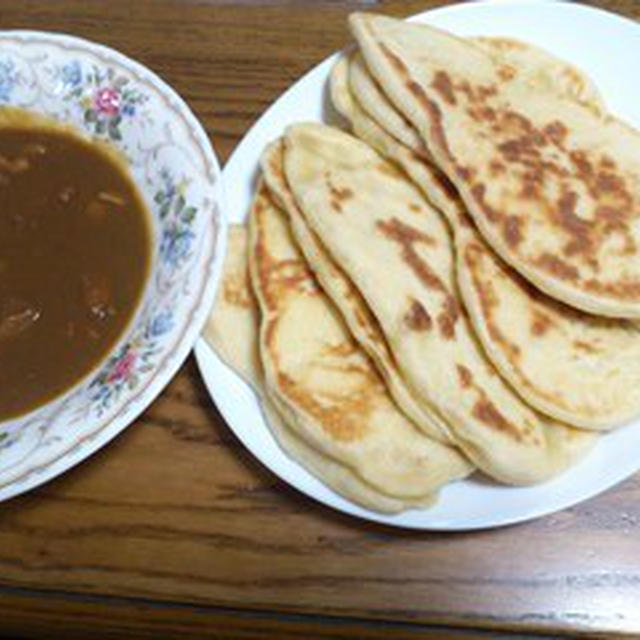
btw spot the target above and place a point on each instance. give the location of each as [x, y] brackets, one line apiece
[8, 79]
[178, 217]
[71, 74]
[103, 94]
[124, 369]
[161, 324]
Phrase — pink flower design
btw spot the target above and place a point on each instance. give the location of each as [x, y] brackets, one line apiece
[107, 101]
[124, 368]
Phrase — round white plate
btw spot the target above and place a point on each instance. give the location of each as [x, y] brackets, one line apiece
[108, 96]
[598, 42]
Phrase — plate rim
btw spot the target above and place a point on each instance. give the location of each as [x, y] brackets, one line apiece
[203, 351]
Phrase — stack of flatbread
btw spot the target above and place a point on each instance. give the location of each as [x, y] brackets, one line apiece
[452, 284]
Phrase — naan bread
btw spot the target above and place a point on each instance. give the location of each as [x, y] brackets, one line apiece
[397, 251]
[355, 312]
[538, 67]
[543, 70]
[573, 366]
[435, 185]
[375, 104]
[334, 398]
[232, 331]
[553, 187]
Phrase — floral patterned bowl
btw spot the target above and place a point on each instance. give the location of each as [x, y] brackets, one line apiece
[170, 158]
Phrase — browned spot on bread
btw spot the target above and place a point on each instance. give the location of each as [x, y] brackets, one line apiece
[442, 84]
[585, 346]
[556, 131]
[466, 379]
[475, 94]
[478, 192]
[582, 166]
[435, 117]
[465, 173]
[496, 168]
[417, 318]
[578, 229]
[389, 170]
[557, 267]
[513, 121]
[486, 91]
[616, 220]
[264, 263]
[482, 113]
[522, 148]
[361, 318]
[340, 194]
[276, 170]
[414, 207]
[270, 334]
[341, 349]
[540, 323]
[629, 289]
[278, 276]
[485, 411]
[448, 317]
[506, 73]
[531, 182]
[609, 183]
[345, 417]
[406, 236]
[600, 177]
[615, 204]
[236, 291]
[473, 255]
[404, 233]
[512, 231]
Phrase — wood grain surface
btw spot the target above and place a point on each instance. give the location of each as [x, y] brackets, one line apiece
[174, 530]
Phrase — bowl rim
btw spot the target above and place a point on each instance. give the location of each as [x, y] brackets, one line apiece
[105, 429]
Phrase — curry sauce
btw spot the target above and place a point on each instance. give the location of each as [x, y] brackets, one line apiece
[75, 253]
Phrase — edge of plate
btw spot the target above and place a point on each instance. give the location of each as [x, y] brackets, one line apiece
[204, 352]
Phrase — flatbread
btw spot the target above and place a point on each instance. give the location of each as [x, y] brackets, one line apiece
[232, 331]
[374, 103]
[537, 65]
[543, 70]
[435, 185]
[569, 364]
[572, 366]
[397, 251]
[355, 312]
[553, 187]
[336, 400]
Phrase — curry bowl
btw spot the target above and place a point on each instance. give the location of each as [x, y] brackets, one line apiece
[108, 97]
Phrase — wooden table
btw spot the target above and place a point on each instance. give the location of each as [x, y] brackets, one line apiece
[175, 530]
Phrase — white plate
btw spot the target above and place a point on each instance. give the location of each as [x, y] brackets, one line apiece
[109, 96]
[600, 43]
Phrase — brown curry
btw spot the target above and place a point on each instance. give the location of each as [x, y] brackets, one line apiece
[75, 248]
